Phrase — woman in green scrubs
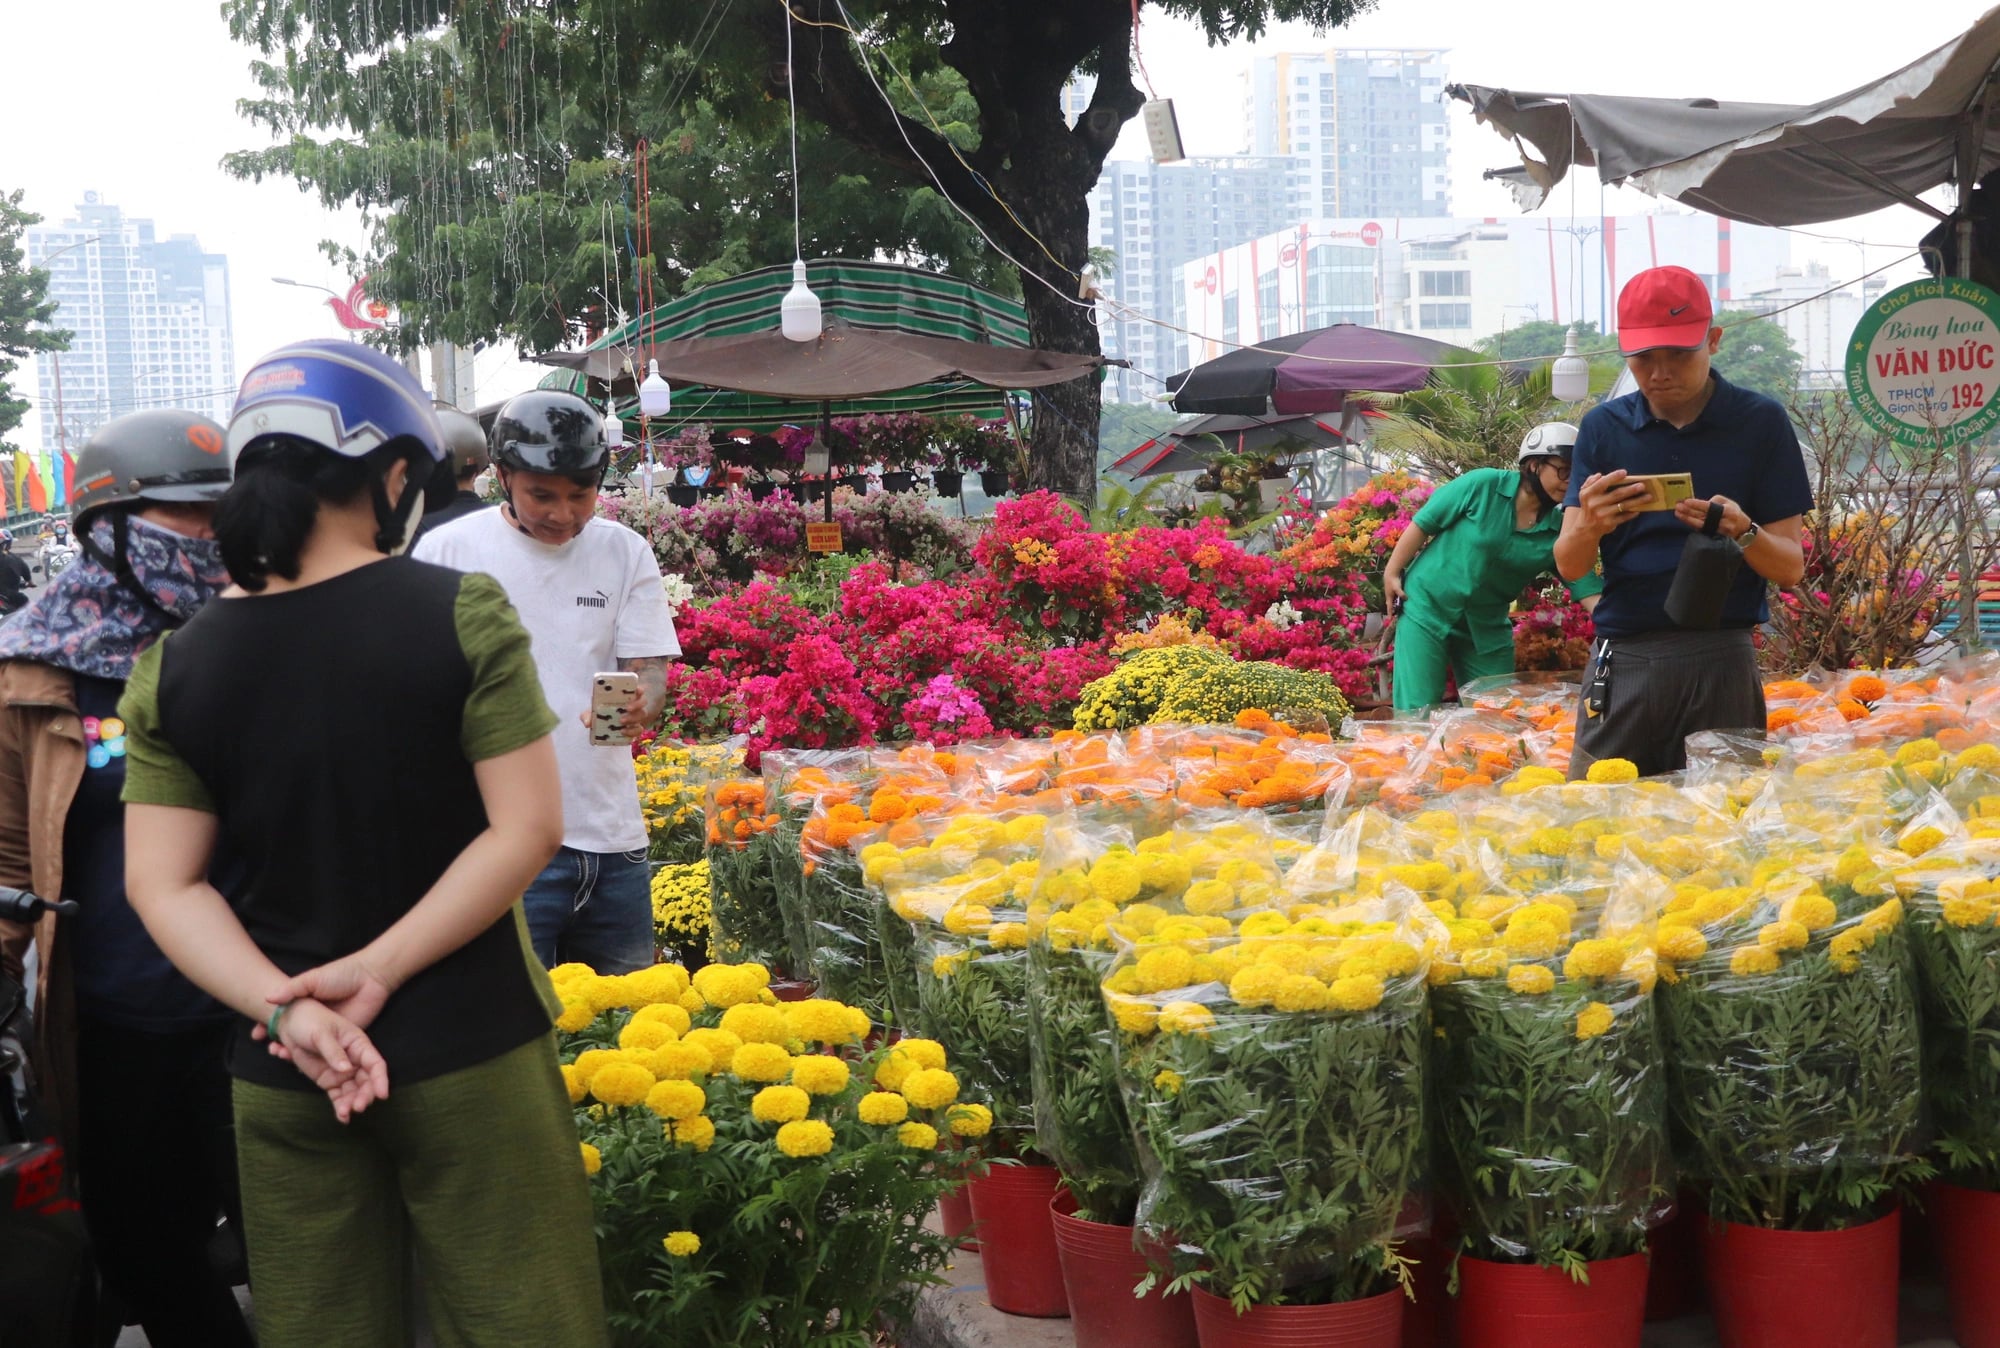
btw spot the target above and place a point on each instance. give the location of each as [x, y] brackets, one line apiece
[1468, 554]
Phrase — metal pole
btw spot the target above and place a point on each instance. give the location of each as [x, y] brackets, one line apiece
[1968, 582]
[826, 434]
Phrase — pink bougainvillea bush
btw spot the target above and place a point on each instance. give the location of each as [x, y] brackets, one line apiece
[932, 636]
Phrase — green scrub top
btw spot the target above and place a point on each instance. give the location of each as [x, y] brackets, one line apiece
[1477, 562]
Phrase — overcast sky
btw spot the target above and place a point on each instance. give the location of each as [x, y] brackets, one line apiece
[136, 100]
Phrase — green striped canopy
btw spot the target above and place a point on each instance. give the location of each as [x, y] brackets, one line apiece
[881, 295]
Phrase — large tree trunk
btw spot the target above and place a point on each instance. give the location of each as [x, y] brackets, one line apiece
[1015, 60]
[1048, 183]
[1062, 449]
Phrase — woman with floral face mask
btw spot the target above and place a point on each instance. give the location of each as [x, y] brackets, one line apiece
[129, 1051]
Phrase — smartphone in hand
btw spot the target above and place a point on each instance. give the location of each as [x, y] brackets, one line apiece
[1666, 490]
[611, 697]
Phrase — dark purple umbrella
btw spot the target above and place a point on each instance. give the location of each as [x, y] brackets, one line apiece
[1186, 447]
[1309, 371]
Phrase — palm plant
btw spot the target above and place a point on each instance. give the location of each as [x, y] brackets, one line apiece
[1472, 414]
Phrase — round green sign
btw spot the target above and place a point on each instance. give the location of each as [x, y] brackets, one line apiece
[1923, 366]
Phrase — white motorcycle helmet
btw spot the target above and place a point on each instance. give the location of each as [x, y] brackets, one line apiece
[1550, 440]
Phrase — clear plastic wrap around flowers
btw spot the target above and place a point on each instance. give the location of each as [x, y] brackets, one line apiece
[1080, 1118]
[965, 894]
[1953, 906]
[1275, 1077]
[1791, 1029]
[744, 851]
[843, 939]
[1549, 1079]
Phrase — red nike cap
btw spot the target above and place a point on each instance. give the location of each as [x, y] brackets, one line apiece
[1664, 306]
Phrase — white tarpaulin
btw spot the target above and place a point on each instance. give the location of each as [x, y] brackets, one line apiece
[1769, 163]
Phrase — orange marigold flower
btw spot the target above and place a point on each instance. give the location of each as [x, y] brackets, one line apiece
[1866, 688]
[1781, 717]
[1852, 709]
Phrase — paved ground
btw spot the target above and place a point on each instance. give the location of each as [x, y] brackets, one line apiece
[957, 1316]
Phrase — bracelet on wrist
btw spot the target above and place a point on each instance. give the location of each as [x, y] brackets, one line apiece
[276, 1017]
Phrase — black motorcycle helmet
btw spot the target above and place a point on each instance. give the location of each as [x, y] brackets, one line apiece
[545, 431]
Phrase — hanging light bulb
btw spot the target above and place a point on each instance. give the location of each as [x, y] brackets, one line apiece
[799, 315]
[1569, 378]
[655, 398]
[614, 429]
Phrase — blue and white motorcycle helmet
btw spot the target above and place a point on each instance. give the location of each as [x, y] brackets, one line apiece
[351, 400]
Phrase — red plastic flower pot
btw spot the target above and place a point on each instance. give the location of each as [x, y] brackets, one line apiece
[1101, 1264]
[1966, 1223]
[1372, 1322]
[1528, 1306]
[1426, 1322]
[1017, 1240]
[955, 1216]
[793, 989]
[1803, 1289]
[1674, 1288]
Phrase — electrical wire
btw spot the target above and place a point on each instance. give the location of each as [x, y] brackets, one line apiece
[792, 98]
[1140, 316]
[902, 130]
[1119, 309]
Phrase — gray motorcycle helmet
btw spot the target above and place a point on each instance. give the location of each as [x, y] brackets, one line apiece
[167, 455]
[464, 439]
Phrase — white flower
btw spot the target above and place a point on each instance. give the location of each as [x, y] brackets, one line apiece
[1282, 615]
[678, 591]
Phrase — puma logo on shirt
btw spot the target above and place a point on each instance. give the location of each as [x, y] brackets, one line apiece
[598, 600]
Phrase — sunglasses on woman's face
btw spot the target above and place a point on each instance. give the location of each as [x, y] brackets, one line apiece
[1560, 467]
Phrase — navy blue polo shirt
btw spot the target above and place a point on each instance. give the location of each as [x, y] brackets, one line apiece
[1742, 446]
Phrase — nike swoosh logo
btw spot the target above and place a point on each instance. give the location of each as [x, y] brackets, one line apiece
[1676, 313]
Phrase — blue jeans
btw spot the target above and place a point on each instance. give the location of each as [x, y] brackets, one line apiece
[593, 908]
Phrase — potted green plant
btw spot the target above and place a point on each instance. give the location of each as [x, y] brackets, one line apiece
[1552, 1122]
[1793, 1058]
[688, 449]
[1117, 1295]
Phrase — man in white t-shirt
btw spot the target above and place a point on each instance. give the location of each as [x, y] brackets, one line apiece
[588, 591]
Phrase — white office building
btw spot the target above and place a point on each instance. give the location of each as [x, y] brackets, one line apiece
[149, 319]
[1459, 280]
[1818, 322]
[1155, 218]
[1366, 127]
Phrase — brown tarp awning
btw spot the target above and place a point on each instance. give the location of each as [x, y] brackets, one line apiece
[845, 362]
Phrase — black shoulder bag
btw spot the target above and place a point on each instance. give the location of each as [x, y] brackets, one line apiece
[1701, 582]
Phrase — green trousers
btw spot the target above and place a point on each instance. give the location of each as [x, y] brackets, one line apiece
[476, 1173]
[1424, 661]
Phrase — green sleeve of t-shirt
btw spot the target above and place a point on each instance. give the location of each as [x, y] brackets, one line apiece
[1447, 504]
[155, 774]
[506, 709]
[1592, 582]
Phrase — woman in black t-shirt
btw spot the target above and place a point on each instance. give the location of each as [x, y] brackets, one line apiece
[369, 734]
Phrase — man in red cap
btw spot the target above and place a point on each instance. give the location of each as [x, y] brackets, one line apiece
[1652, 683]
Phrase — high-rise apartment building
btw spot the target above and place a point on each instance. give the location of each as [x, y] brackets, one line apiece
[1156, 218]
[1076, 96]
[150, 325]
[1366, 127]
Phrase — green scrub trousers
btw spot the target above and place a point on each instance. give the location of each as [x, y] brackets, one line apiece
[1461, 586]
[1425, 660]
